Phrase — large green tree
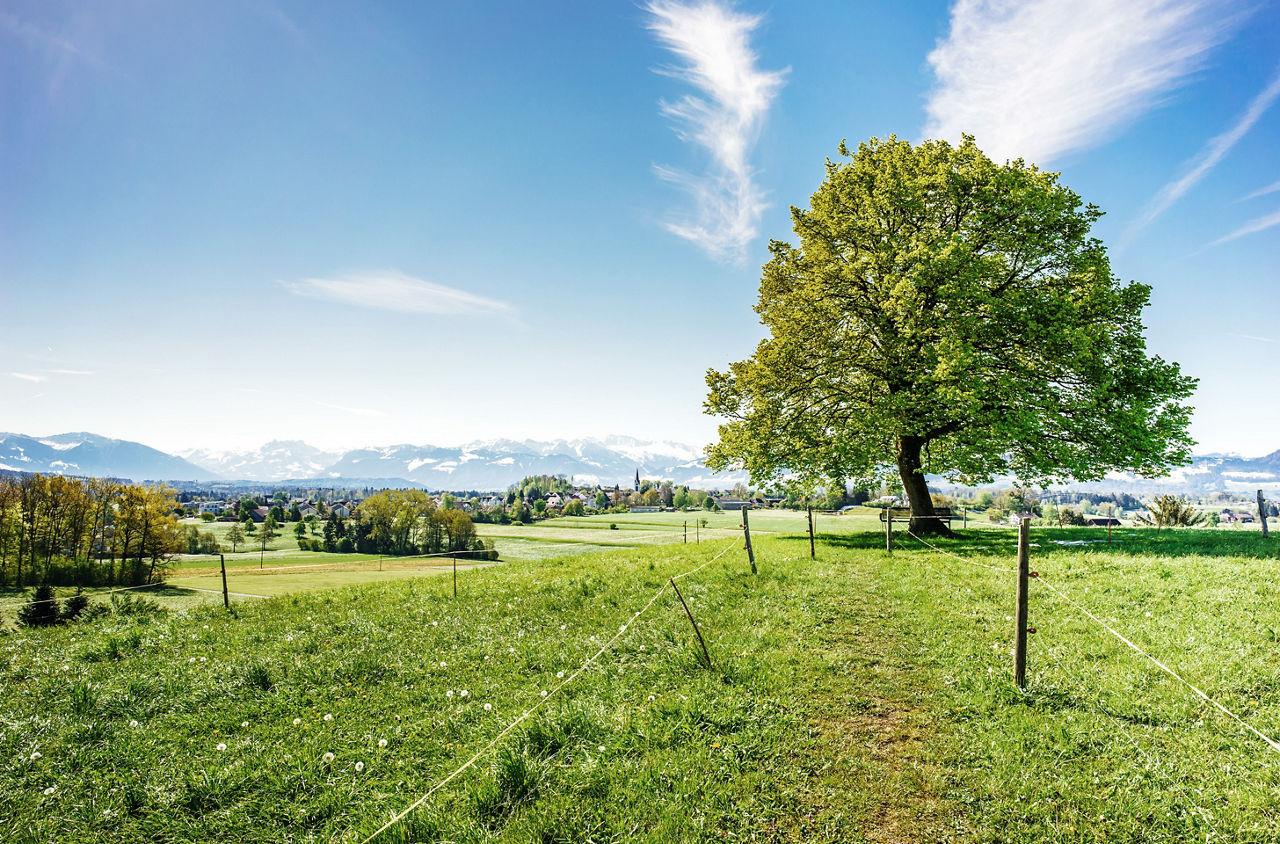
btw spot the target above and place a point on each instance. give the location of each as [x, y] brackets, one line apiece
[942, 313]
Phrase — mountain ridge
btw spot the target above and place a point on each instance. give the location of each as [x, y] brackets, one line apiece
[498, 463]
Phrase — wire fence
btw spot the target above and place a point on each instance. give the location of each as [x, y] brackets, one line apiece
[1061, 594]
[542, 701]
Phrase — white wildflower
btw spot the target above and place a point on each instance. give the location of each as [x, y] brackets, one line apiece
[488, 706]
[328, 716]
[382, 742]
[327, 758]
[51, 789]
[221, 746]
[297, 721]
[133, 723]
[359, 767]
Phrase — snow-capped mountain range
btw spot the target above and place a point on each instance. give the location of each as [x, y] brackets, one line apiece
[488, 465]
[492, 464]
[496, 464]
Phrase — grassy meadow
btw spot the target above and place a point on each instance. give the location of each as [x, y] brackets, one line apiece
[856, 697]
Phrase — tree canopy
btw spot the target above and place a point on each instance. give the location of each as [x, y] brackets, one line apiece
[945, 314]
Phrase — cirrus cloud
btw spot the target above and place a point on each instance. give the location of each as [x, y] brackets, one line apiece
[395, 291]
[714, 43]
[1041, 78]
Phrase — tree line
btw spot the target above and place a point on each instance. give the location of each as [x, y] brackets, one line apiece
[85, 532]
[402, 522]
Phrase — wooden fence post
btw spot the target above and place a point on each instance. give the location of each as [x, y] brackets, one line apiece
[746, 530]
[454, 555]
[1262, 514]
[691, 621]
[888, 530]
[1020, 632]
[686, 532]
[811, 552]
[226, 598]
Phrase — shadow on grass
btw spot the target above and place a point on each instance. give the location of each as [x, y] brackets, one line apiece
[1142, 541]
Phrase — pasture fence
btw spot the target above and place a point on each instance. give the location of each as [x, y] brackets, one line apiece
[1021, 629]
[552, 692]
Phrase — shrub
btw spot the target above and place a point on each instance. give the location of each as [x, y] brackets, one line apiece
[42, 610]
[346, 546]
[135, 605]
[74, 606]
[613, 526]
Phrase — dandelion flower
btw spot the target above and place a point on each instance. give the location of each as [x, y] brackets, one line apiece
[328, 757]
[562, 626]
[650, 697]
[51, 789]
[297, 721]
[36, 755]
[221, 746]
[1147, 614]
[622, 629]
[642, 647]
[382, 742]
[449, 693]
[204, 659]
[193, 659]
[488, 706]
[359, 767]
[559, 673]
[435, 624]
[328, 716]
[601, 748]
[543, 693]
[133, 723]
[464, 693]
[444, 665]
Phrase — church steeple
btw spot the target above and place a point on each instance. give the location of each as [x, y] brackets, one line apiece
[637, 480]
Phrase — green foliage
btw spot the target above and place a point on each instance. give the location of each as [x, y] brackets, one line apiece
[235, 535]
[1171, 511]
[574, 508]
[74, 606]
[41, 610]
[946, 314]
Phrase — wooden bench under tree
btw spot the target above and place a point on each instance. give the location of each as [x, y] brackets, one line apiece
[903, 514]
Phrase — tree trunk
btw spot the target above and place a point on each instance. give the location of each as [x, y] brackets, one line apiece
[911, 471]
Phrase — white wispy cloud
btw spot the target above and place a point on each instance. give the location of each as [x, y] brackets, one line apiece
[35, 379]
[713, 42]
[71, 372]
[1040, 78]
[393, 291]
[1214, 151]
[1250, 227]
[1250, 337]
[1272, 188]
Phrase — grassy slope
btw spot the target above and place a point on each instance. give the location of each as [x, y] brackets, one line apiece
[856, 698]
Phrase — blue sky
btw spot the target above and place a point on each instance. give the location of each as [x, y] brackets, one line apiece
[370, 223]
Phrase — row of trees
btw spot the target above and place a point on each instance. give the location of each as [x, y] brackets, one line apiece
[403, 522]
[71, 531]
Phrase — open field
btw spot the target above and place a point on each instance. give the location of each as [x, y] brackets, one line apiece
[858, 697]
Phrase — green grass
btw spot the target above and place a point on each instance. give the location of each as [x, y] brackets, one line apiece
[861, 697]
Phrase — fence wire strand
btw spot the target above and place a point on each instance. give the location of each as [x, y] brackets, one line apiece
[622, 630]
[1174, 674]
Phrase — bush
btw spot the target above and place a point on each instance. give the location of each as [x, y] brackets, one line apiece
[135, 605]
[74, 606]
[346, 546]
[613, 526]
[42, 610]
